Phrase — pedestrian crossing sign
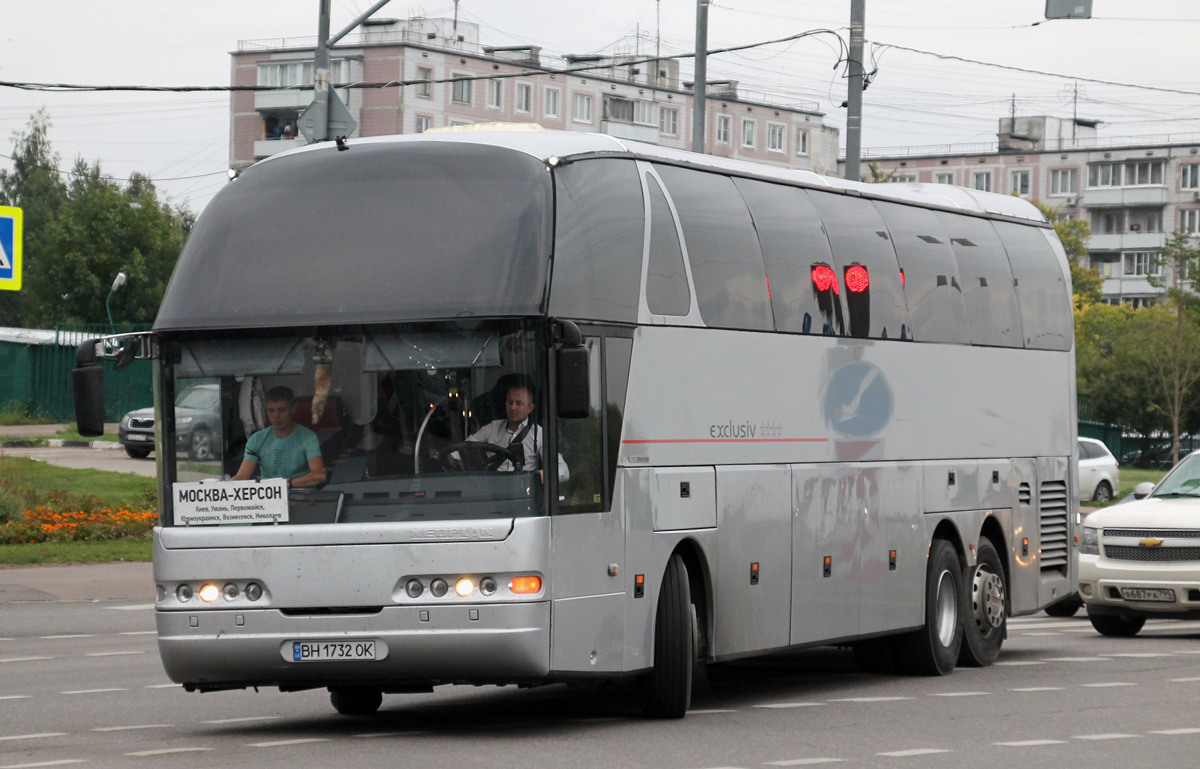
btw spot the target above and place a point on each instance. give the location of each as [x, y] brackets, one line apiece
[11, 221]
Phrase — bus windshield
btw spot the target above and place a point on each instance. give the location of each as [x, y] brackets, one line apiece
[409, 422]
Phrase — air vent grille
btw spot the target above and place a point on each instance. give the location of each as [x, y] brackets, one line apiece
[1024, 495]
[1052, 510]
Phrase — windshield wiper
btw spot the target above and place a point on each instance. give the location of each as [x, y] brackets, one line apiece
[1178, 494]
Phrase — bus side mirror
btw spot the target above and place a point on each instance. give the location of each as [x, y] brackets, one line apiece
[87, 380]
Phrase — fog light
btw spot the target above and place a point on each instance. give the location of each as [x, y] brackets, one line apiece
[230, 591]
[209, 593]
[464, 587]
[487, 585]
[183, 593]
[1086, 589]
[525, 585]
[438, 587]
[414, 588]
[254, 591]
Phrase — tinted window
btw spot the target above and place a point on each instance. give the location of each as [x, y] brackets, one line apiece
[617, 352]
[382, 232]
[793, 244]
[1085, 451]
[727, 265]
[666, 282]
[599, 227]
[861, 244]
[929, 274]
[580, 444]
[986, 279]
[1042, 290]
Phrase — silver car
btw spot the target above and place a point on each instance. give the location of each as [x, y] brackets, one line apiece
[1099, 473]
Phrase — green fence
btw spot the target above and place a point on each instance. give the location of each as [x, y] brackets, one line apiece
[38, 374]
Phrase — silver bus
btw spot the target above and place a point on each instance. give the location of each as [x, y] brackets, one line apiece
[763, 410]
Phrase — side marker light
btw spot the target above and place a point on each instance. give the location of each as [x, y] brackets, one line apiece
[525, 585]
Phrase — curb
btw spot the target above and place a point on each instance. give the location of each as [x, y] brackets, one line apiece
[57, 443]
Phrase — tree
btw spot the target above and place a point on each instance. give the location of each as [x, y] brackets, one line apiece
[1086, 282]
[1166, 344]
[36, 186]
[878, 175]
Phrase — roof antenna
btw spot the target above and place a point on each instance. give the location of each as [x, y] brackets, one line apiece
[341, 143]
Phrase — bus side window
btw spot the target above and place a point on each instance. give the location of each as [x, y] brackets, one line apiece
[667, 290]
[723, 250]
[929, 274]
[617, 354]
[580, 443]
[987, 281]
[1042, 290]
[866, 266]
[793, 245]
[599, 226]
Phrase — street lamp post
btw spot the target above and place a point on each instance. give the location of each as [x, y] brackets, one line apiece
[117, 283]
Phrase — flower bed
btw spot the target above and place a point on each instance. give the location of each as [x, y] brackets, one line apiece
[44, 524]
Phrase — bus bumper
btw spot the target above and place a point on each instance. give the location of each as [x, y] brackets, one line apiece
[486, 643]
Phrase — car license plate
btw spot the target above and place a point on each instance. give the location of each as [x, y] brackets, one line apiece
[1148, 594]
[137, 437]
[332, 651]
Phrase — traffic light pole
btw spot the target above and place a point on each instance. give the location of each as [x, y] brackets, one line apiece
[854, 102]
[319, 110]
[699, 87]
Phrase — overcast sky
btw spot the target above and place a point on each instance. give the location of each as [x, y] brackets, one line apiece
[914, 99]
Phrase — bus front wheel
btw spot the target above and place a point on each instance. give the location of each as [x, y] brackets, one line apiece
[666, 691]
[356, 701]
[933, 650]
[986, 614]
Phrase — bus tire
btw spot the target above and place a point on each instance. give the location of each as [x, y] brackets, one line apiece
[666, 691]
[356, 701]
[985, 608]
[933, 650]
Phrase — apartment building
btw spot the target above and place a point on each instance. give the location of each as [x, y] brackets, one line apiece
[622, 96]
[1133, 191]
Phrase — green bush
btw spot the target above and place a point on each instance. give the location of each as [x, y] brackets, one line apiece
[17, 413]
[12, 505]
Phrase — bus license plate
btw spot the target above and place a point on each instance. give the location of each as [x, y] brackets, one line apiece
[332, 651]
[1148, 594]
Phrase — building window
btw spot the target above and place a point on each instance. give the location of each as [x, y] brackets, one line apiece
[643, 113]
[903, 178]
[1141, 263]
[1189, 220]
[748, 131]
[724, 128]
[776, 137]
[668, 121]
[583, 108]
[293, 74]
[944, 178]
[460, 89]
[1061, 217]
[460, 122]
[424, 123]
[982, 180]
[1189, 176]
[1108, 222]
[802, 141]
[1018, 182]
[551, 106]
[1108, 266]
[1138, 302]
[1144, 172]
[524, 97]
[425, 89]
[1063, 181]
[1104, 175]
[495, 93]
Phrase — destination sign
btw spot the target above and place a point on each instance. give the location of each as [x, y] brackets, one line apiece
[226, 502]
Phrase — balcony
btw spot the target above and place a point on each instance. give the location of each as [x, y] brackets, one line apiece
[1126, 241]
[1109, 197]
[631, 131]
[292, 99]
[267, 147]
[1129, 286]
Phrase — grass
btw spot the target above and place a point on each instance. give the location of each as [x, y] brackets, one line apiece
[16, 413]
[1130, 477]
[40, 483]
[75, 552]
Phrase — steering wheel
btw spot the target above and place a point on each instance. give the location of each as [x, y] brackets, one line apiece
[477, 455]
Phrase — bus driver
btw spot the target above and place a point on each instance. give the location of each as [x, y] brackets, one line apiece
[519, 429]
[285, 449]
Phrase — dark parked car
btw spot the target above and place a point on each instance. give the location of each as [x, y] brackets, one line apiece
[197, 414]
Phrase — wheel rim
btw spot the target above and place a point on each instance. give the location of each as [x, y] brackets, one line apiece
[200, 445]
[987, 599]
[1103, 493]
[947, 609]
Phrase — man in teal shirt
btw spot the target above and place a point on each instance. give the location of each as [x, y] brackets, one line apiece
[285, 449]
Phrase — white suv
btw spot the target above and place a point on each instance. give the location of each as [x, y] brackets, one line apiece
[1098, 474]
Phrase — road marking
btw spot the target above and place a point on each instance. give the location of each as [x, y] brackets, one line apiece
[1019, 663]
[136, 607]
[1140, 655]
[280, 743]
[69, 635]
[59, 762]
[1104, 736]
[412, 734]
[1030, 743]
[872, 699]
[15, 697]
[806, 761]
[111, 654]
[33, 736]
[1106, 685]
[246, 719]
[166, 751]
[708, 711]
[1183, 680]
[139, 632]
[1050, 626]
[959, 694]
[914, 752]
[5, 639]
[1182, 651]
[1074, 659]
[23, 659]
[1039, 689]
[163, 686]
[93, 691]
[131, 728]
[1051, 632]
[782, 705]
[1177, 731]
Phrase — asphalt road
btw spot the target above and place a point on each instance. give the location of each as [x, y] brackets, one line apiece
[106, 458]
[81, 683]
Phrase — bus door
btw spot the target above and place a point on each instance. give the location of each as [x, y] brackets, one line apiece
[1023, 563]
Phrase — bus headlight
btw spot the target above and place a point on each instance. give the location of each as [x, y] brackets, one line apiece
[183, 593]
[209, 593]
[1090, 543]
[464, 587]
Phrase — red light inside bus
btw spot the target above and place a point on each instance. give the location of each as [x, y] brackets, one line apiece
[901, 278]
[824, 278]
[857, 279]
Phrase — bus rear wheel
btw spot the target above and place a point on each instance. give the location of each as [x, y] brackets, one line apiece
[666, 691]
[933, 650]
[985, 619]
[356, 701]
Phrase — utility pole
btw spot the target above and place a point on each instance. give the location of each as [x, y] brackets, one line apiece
[327, 114]
[456, 19]
[858, 13]
[700, 87]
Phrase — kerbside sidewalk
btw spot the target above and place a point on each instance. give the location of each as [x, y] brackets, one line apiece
[85, 582]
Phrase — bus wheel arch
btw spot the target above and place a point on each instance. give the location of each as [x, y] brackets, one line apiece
[985, 599]
[700, 583]
[933, 650]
